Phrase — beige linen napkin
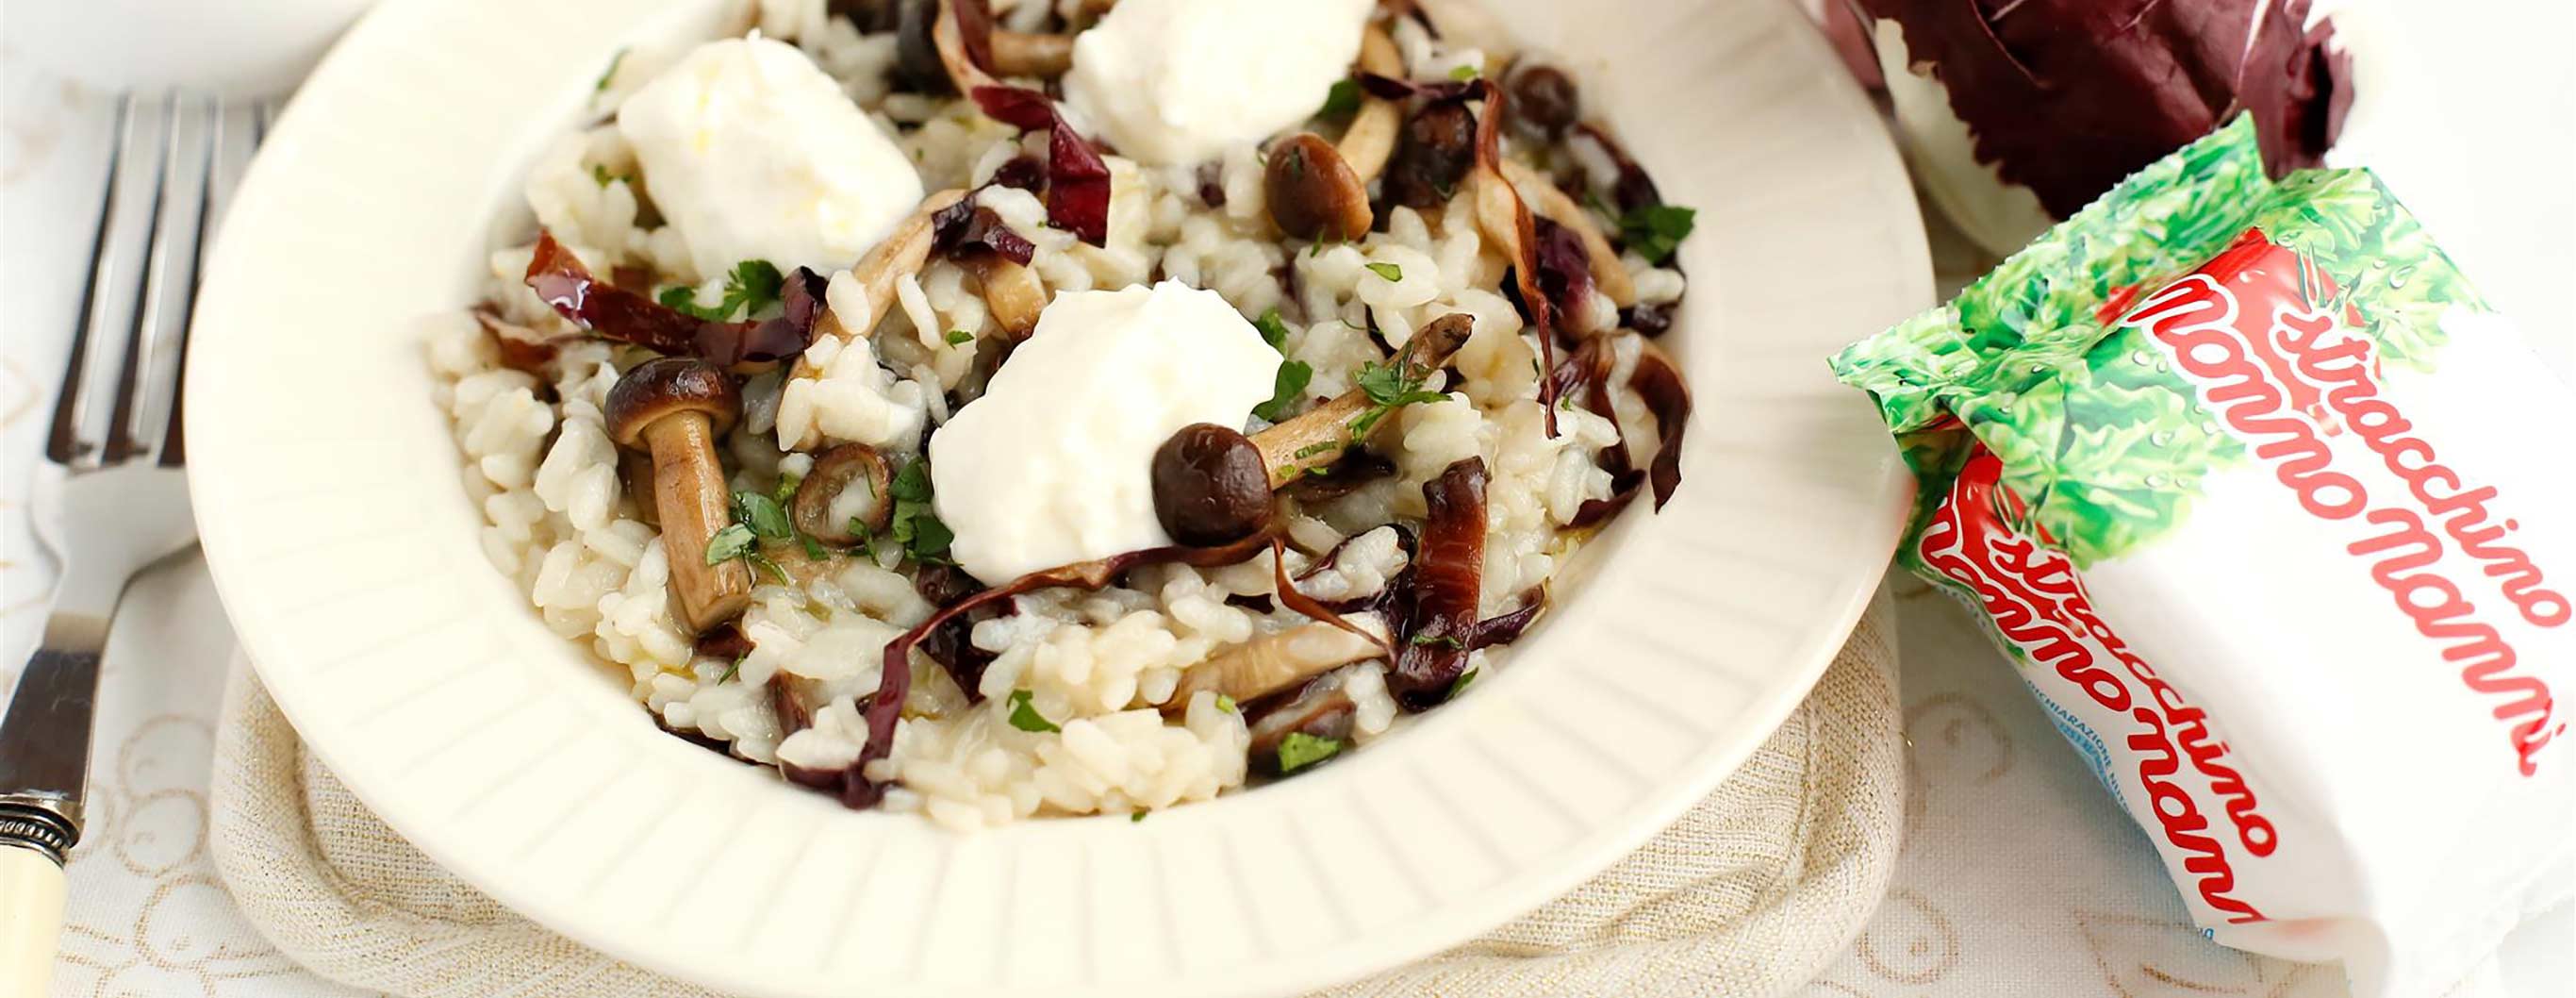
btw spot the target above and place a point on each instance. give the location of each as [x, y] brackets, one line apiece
[1749, 894]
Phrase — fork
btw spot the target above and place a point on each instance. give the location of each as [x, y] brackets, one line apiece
[112, 498]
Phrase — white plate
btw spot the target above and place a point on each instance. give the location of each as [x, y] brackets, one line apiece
[327, 489]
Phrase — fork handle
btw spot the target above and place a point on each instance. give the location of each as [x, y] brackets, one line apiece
[31, 917]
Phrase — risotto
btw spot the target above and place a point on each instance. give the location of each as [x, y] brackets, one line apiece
[1065, 408]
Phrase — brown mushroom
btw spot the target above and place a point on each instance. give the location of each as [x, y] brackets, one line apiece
[901, 254]
[1313, 193]
[1316, 438]
[1437, 150]
[677, 408]
[1543, 196]
[1323, 709]
[1544, 99]
[1210, 487]
[932, 49]
[1274, 662]
[824, 505]
[1318, 189]
[1028, 53]
[1012, 292]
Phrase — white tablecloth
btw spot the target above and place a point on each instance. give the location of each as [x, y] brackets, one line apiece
[2018, 877]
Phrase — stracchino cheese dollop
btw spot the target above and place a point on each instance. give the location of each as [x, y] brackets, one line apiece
[1053, 465]
[757, 155]
[1178, 81]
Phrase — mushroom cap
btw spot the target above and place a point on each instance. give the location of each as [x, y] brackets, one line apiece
[1210, 486]
[1314, 193]
[665, 386]
[835, 472]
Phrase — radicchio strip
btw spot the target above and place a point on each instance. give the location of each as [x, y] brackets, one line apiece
[1564, 267]
[520, 348]
[975, 31]
[1499, 207]
[952, 645]
[894, 681]
[1077, 178]
[1632, 189]
[1503, 629]
[1296, 599]
[1448, 578]
[1658, 383]
[1393, 602]
[963, 229]
[564, 284]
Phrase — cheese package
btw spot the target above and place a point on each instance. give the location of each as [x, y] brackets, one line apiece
[2277, 519]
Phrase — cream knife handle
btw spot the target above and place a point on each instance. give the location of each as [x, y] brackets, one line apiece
[31, 920]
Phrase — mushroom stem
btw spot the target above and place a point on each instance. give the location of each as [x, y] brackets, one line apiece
[1274, 662]
[1012, 292]
[1023, 53]
[689, 494]
[1316, 438]
[901, 254]
[1319, 190]
[1371, 138]
[1545, 198]
[951, 42]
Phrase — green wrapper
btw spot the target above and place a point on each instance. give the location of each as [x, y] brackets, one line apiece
[2271, 512]
[2095, 432]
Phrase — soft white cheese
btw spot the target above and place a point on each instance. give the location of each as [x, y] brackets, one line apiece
[755, 154]
[1053, 464]
[1178, 81]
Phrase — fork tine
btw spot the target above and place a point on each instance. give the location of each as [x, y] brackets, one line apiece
[236, 128]
[61, 437]
[170, 279]
[238, 131]
[93, 383]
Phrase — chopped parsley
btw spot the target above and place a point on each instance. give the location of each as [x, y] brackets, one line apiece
[959, 336]
[601, 174]
[1465, 72]
[1438, 641]
[1025, 716]
[788, 483]
[915, 525]
[1226, 703]
[609, 74]
[1343, 99]
[1392, 384]
[1656, 230]
[734, 541]
[867, 541]
[1387, 270]
[1300, 750]
[1319, 447]
[752, 285]
[731, 670]
[813, 548]
[1389, 387]
[1460, 684]
[1138, 814]
[1273, 329]
[763, 515]
[1294, 376]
